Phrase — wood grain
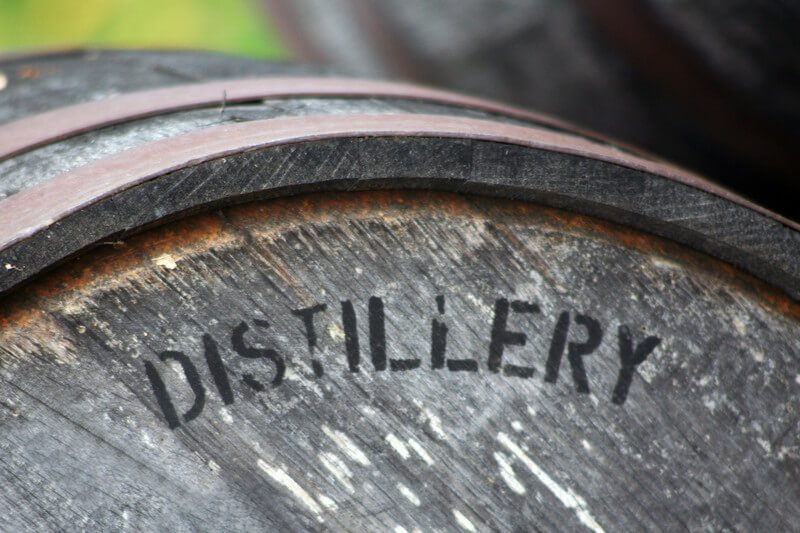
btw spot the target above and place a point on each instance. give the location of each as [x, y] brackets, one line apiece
[705, 438]
[358, 313]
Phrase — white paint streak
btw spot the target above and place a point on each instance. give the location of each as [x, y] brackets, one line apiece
[167, 261]
[335, 332]
[484, 307]
[710, 403]
[176, 367]
[327, 502]
[433, 420]
[417, 447]
[436, 425]
[366, 410]
[409, 494]
[788, 452]
[147, 440]
[666, 264]
[764, 443]
[398, 446]
[225, 415]
[565, 495]
[292, 375]
[508, 475]
[338, 468]
[347, 446]
[463, 522]
[279, 475]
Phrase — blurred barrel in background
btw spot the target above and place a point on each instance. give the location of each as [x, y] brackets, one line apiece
[714, 86]
[239, 295]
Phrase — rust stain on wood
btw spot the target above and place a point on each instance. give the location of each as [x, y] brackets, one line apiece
[107, 265]
[28, 73]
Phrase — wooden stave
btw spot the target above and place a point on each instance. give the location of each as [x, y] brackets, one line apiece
[63, 336]
[777, 232]
[492, 153]
[105, 113]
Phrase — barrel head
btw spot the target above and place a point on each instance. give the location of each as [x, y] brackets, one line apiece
[388, 360]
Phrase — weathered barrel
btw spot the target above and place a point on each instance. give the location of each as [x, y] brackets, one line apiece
[239, 296]
[711, 84]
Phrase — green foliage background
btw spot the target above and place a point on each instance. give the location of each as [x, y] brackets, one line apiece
[235, 26]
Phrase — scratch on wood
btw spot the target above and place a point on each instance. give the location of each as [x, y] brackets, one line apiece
[564, 495]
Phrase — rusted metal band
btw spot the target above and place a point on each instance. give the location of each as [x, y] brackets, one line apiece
[37, 130]
[32, 210]
[47, 223]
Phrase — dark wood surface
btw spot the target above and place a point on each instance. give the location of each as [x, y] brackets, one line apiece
[704, 434]
[117, 200]
[471, 322]
[39, 83]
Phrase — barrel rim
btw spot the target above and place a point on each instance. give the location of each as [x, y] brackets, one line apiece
[26, 134]
[32, 212]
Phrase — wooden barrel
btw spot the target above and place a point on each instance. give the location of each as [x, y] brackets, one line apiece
[282, 302]
[710, 84]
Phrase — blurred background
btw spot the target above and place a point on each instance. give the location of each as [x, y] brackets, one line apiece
[713, 85]
[233, 26]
